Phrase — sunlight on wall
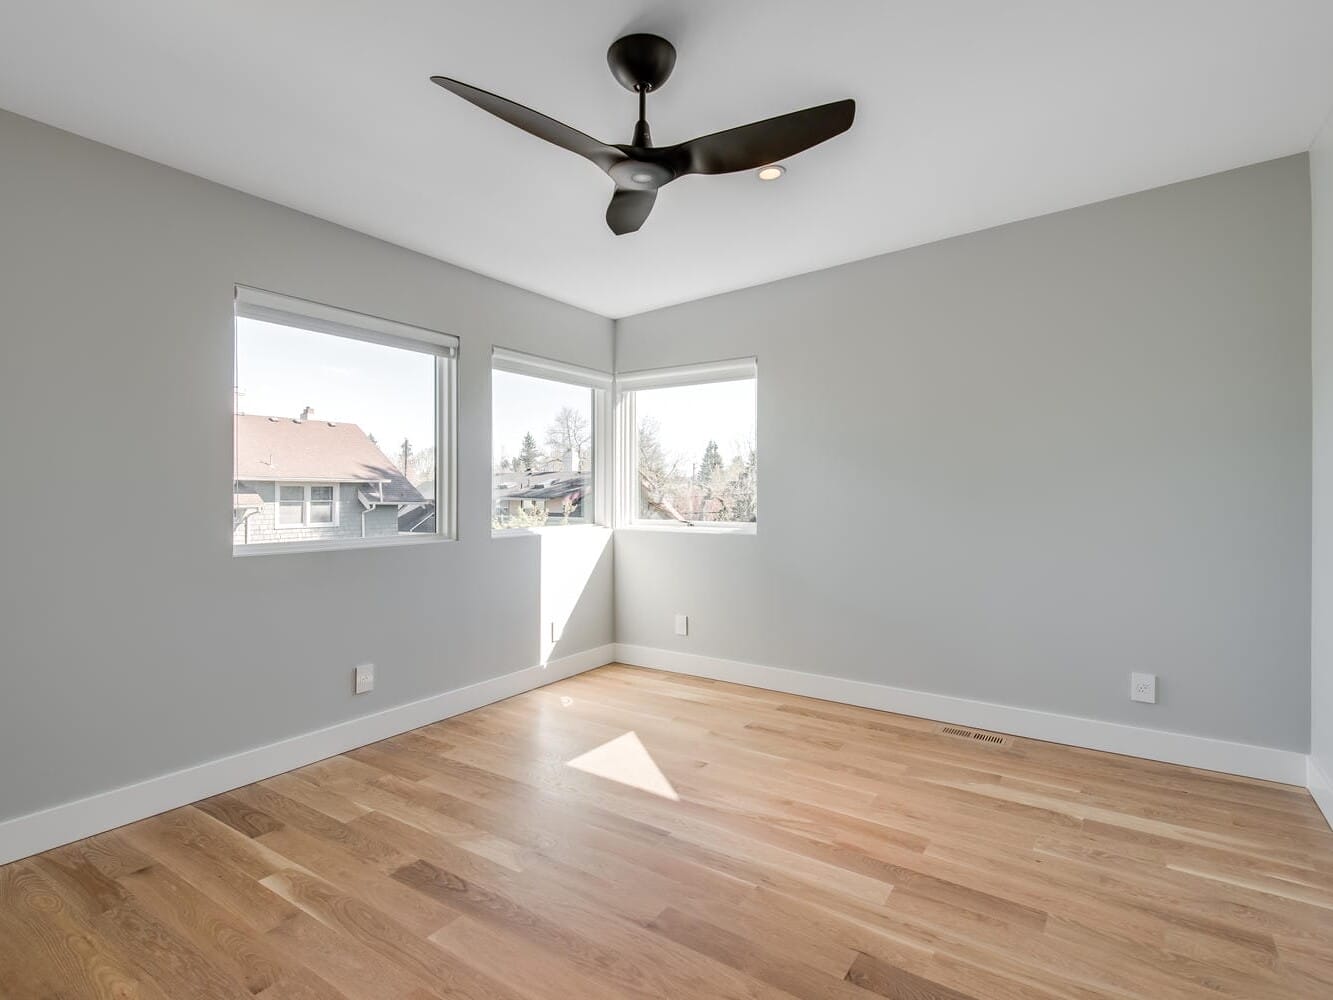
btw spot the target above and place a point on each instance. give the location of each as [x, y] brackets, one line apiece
[569, 558]
[626, 760]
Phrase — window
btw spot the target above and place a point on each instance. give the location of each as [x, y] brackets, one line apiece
[319, 505]
[343, 428]
[306, 505]
[548, 424]
[687, 444]
[291, 505]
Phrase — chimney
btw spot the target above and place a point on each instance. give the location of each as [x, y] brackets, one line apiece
[571, 461]
[305, 414]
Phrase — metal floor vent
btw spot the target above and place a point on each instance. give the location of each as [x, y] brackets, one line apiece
[972, 734]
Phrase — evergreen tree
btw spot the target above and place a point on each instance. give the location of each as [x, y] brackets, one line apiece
[527, 455]
[711, 464]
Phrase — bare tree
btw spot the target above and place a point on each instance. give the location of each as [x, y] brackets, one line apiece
[658, 481]
[423, 465]
[568, 432]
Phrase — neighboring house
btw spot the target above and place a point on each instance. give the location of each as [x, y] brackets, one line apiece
[299, 479]
[558, 491]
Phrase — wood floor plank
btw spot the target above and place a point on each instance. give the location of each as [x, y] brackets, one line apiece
[888, 981]
[51, 949]
[724, 843]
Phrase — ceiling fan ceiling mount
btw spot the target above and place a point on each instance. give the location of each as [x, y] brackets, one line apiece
[642, 63]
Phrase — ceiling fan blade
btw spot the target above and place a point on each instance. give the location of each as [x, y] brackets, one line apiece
[535, 123]
[765, 142]
[628, 210]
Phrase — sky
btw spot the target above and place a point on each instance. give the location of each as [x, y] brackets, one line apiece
[688, 417]
[390, 393]
[521, 403]
[386, 391]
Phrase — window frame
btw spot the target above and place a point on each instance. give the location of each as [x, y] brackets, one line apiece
[601, 385]
[333, 503]
[316, 317]
[627, 384]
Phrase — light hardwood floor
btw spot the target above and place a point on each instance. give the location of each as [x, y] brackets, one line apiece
[708, 841]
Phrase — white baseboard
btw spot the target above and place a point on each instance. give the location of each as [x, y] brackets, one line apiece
[62, 824]
[23, 836]
[1321, 788]
[1288, 766]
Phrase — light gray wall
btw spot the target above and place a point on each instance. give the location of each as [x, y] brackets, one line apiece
[127, 654]
[1018, 465]
[1321, 326]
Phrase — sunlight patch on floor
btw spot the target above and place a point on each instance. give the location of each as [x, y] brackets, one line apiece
[626, 760]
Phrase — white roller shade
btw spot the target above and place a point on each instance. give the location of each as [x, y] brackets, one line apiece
[270, 307]
[528, 364]
[713, 371]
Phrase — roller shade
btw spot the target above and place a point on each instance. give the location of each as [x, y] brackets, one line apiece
[527, 364]
[713, 371]
[270, 307]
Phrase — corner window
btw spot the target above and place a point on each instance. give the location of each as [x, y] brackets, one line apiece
[343, 428]
[548, 427]
[688, 448]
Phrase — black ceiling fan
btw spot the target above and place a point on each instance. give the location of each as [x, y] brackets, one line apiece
[642, 64]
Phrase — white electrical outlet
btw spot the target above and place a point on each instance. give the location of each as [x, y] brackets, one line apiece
[364, 678]
[682, 624]
[1143, 687]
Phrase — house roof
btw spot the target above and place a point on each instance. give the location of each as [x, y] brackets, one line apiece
[397, 490]
[417, 518]
[280, 449]
[573, 486]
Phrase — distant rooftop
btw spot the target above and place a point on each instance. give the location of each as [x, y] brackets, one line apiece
[286, 449]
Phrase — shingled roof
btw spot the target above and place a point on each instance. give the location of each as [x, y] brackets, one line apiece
[281, 449]
[574, 487]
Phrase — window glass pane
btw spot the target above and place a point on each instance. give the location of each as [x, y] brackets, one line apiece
[541, 436]
[697, 459]
[321, 505]
[323, 414]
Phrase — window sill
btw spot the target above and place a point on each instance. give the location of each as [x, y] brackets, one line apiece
[702, 528]
[297, 548]
[553, 529]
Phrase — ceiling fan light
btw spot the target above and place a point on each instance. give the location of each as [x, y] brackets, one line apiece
[771, 172]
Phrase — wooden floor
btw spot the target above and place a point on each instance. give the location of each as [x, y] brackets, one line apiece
[634, 834]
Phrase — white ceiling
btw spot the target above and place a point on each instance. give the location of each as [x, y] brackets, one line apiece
[970, 113]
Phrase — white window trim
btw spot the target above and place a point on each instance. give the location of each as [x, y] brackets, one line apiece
[273, 307]
[306, 524]
[626, 495]
[601, 384]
